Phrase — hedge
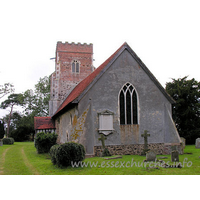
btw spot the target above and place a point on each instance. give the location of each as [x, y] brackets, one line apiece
[44, 141]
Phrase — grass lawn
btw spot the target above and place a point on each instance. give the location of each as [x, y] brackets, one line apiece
[22, 159]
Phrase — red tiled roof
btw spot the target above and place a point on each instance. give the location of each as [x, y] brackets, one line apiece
[85, 83]
[43, 123]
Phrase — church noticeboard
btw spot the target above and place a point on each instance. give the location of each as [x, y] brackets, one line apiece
[106, 122]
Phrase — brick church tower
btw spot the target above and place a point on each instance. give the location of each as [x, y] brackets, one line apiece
[73, 63]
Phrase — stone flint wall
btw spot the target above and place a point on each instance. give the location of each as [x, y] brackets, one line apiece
[136, 149]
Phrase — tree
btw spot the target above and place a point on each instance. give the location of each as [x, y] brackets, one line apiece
[43, 95]
[6, 89]
[23, 127]
[186, 111]
[38, 101]
[13, 100]
[2, 131]
[14, 120]
[35, 103]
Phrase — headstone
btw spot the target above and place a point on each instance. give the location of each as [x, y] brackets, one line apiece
[175, 156]
[102, 139]
[1, 142]
[145, 135]
[183, 142]
[151, 156]
[197, 143]
[174, 148]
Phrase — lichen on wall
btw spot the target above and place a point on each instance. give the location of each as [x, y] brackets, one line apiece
[70, 127]
[78, 126]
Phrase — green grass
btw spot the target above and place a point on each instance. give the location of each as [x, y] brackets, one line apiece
[22, 159]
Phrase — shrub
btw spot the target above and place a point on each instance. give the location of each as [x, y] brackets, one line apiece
[52, 153]
[82, 152]
[63, 154]
[106, 152]
[44, 141]
[8, 140]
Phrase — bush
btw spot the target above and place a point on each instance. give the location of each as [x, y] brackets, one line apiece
[82, 153]
[52, 153]
[106, 152]
[44, 141]
[63, 154]
[8, 140]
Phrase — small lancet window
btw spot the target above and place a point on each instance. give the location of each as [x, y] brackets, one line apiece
[75, 66]
[128, 105]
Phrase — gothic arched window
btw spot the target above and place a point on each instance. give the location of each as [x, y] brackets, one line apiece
[75, 66]
[128, 105]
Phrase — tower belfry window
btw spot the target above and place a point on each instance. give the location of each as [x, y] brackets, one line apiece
[75, 66]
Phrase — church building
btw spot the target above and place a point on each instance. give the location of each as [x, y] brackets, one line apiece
[120, 99]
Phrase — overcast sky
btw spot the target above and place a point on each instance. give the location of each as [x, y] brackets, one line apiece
[164, 34]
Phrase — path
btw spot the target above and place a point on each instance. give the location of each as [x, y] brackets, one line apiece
[21, 154]
[28, 164]
[3, 160]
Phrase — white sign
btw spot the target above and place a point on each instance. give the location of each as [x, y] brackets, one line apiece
[106, 122]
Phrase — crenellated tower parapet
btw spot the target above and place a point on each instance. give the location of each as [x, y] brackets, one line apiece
[73, 63]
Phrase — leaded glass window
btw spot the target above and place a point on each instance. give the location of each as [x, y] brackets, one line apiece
[128, 105]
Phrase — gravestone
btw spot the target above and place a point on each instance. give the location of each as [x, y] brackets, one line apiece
[151, 156]
[174, 148]
[105, 150]
[1, 142]
[197, 143]
[102, 139]
[183, 142]
[145, 135]
[175, 156]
